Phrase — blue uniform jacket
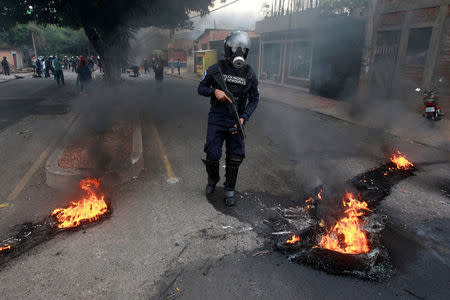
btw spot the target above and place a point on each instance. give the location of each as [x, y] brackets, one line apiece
[208, 85]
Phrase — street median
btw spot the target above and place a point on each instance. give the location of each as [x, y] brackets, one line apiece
[116, 156]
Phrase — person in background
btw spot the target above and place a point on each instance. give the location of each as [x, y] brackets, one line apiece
[178, 66]
[171, 64]
[44, 67]
[159, 70]
[91, 63]
[59, 74]
[65, 63]
[48, 66]
[5, 66]
[100, 65]
[84, 75]
[38, 67]
[146, 66]
[73, 64]
[135, 70]
[154, 64]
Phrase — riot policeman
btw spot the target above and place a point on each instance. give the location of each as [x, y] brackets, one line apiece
[242, 83]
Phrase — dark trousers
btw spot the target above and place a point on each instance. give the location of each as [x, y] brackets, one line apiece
[6, 71]
[59, 76]
[217, 134]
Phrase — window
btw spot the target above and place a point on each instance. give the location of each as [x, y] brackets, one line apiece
[271, 59]
[300, 59]
[204, 46]
[418, 44]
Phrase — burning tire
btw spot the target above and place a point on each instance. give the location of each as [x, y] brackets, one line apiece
[91, 207]
[353, 243]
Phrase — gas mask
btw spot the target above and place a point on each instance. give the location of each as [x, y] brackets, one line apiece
[238, 58]
[237, 46]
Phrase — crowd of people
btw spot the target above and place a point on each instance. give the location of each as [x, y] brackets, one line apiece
[54, 65]
[43, 64]
[46, 66]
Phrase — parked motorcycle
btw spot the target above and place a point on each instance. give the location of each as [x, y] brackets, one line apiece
[431, 108]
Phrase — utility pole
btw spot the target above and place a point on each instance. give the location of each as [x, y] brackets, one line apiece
[34, 45]
[366, 63]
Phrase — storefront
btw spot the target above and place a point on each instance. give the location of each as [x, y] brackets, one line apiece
[305, 50]
[203, 60]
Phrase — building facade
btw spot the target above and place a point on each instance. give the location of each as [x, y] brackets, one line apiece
[14, 58]
[212, 40]
[408, 46]
[306, 50]
[180, 47]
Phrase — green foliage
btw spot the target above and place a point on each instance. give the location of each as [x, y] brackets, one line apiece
[103, 15]
[327, 7]
[340, 6]
[64, 40]
[108, 24]
[49, 39]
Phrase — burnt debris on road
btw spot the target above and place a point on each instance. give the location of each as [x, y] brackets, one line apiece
[346, 238]
[90, 208]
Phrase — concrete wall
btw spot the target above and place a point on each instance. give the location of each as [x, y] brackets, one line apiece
[407, 17]
[443, 67]
[212, 39]
[215, 35]
[333, 46]
[190, 61]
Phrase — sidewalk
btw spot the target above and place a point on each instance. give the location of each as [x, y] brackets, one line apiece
[4, 78]
[409, 126]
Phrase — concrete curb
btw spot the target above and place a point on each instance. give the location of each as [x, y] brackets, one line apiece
[24, 75]
[59, 178]
[319, 110]
[343, 119]
[8, 80]
[183, 77]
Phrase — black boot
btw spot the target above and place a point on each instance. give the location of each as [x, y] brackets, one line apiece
[230, 179]
[212, 168]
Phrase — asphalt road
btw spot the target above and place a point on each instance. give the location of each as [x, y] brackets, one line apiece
[165, 239]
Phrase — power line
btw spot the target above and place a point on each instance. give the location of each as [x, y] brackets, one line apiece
[215, 9]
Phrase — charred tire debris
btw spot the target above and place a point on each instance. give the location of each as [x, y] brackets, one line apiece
[278, 224]
[30, 235]
[279, 219]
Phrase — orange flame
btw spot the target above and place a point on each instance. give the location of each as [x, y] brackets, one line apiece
[319, 195]
[87, 209]
[308, 206]
[347, 236]
[5, 248]
[293, 240]
[400, 161]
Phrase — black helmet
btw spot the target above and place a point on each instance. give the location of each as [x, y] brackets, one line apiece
[237, 46]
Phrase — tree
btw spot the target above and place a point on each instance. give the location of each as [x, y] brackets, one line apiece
[108, 24]
[327, 7]
[337, 7]
[50, 39]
